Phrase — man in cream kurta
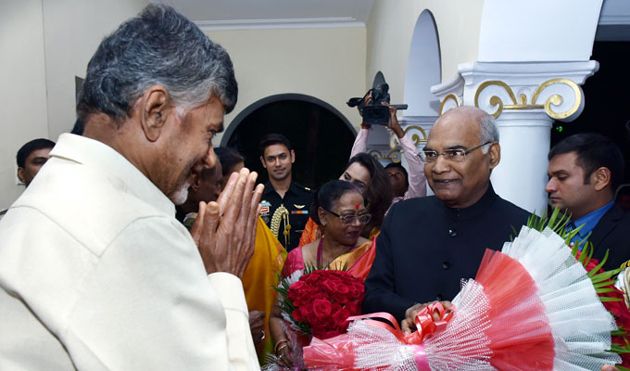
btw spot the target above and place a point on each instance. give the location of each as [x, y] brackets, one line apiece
[95, 271]
[102, 264]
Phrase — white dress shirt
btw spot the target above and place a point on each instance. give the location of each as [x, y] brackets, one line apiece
[97, 274]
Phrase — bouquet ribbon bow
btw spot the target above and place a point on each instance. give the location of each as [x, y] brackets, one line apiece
[429, 320]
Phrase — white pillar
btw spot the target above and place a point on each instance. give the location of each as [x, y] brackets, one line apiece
[524, 98]
[524, 139]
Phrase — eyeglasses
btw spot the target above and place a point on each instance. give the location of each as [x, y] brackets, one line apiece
[455, 154]
[350, 218]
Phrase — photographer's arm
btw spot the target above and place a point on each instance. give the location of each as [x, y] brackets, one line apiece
[360, 142]
[415, 166]
[417, 180]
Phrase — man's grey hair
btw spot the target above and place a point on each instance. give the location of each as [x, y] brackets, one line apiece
[159, 46]
[488, 130]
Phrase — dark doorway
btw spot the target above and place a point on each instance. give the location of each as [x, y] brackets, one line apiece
[607, 98]
[321, 136]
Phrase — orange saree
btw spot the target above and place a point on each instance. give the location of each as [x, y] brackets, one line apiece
[311, 233]
[357, 262]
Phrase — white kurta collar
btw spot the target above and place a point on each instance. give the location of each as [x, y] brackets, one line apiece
[110, 162]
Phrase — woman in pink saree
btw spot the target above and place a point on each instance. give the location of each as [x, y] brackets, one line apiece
[340, 212]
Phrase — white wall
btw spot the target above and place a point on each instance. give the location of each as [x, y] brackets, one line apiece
[43, 46]
[538, 30]
[390, 29]
[22, 87]
[72, 31]
[328, 64]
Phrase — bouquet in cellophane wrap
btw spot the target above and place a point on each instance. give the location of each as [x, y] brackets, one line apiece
[315, 303]
[534, 305]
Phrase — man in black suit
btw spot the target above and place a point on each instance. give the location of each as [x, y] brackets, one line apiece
[584, 172]
[427, 245]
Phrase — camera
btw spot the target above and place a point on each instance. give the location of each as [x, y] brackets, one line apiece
[373, 110]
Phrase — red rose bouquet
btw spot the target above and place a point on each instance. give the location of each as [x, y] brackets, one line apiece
[612, 298]
[320, 301]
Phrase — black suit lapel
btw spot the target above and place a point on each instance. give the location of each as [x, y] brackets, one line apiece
[605, 226]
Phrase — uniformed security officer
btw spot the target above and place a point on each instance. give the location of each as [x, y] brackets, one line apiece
[284, 203]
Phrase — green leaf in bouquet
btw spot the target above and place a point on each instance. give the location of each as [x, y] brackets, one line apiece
[310, 268]
[603, 276]
[534, 222]
[574, 250]
[586, 253]
[605, 299]
[620, 349]
[557, 222]
[599, 266]
[603, 283]
[569, 235]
